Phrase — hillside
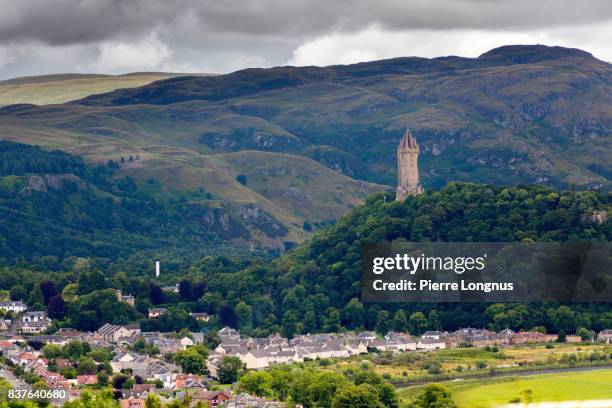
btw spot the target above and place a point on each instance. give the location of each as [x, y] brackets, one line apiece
[50, 89]
[516, 114]
[53, 207]
[529, 114]
[316, 286]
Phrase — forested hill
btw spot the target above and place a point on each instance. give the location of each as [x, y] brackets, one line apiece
[316, 286]
[54, 206]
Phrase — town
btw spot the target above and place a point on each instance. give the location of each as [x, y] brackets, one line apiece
[166, 364]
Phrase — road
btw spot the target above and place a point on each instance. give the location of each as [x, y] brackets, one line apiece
[15, 382]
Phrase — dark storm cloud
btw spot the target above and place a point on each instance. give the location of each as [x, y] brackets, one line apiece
[118, 36]
[62, 22]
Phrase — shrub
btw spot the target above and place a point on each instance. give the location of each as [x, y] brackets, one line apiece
[242, 179]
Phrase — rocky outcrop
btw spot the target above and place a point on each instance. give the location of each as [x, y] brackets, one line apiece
[237, 221]
[251, 214]
[48, 182]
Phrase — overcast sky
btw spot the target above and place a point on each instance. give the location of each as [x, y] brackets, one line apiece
[217, 36]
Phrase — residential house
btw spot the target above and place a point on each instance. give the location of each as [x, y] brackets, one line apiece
[428, 344]
[157, 370]
[5, 325]
[165, 345]
[87, 379]
[130, 360]
[528, 337]
[367, 336]
[433, 334]
[15, 306]
[201, 317]
[34, 316]
[211, 398]
[27, 357]
[187, 381]
[62, 363]
[605, 336]
[155, 312]
[129, 299]
[35, 327]
[397, 342]
[229, 335]
[113, 333]
[142, 388]
[186, 342]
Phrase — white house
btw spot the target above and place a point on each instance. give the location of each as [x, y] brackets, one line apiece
[34, 316]
[256, 359]
[605, 336]
[15, 306]
[186, 342]
[430, 344]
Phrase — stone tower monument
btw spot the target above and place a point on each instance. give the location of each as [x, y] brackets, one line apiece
[407, 168]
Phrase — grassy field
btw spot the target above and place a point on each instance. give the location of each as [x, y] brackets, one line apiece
[466, 359]
[49, 89]
[485, 393]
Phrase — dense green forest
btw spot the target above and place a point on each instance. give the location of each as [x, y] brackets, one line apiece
[54, 206]
[315, 287]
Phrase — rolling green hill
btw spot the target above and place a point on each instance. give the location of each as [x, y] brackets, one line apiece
[312, 142]
[49, 89]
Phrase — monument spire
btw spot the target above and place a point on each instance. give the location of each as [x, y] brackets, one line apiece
[407, 168]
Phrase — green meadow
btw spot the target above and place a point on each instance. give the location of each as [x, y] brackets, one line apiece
[486, 393]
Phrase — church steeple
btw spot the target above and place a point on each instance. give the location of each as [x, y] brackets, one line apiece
[407, 168]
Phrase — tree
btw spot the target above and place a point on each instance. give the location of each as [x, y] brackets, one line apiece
[325, 386]
[156, 294]
[434, 320]
[52, 351]
[332, 320]
[74, 350]
[191, 361]
[227, 316]
[102, 399]
[244, 314]
[230, 369]
[400, 321]
[119, 380]
[352, 396]
[383, 322]
[585, 334]
[185, 289]
[353, 314]
[153, 401]
[310, 321]
[56, 308]
[290, 321]
[86, 366]
[257, 382]
[70, 292]
[434, 396]
[418, 323]
[282, 381]
[91, 281]
[561, 337]
[387, 395]
[242, 179]
[48, 290]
